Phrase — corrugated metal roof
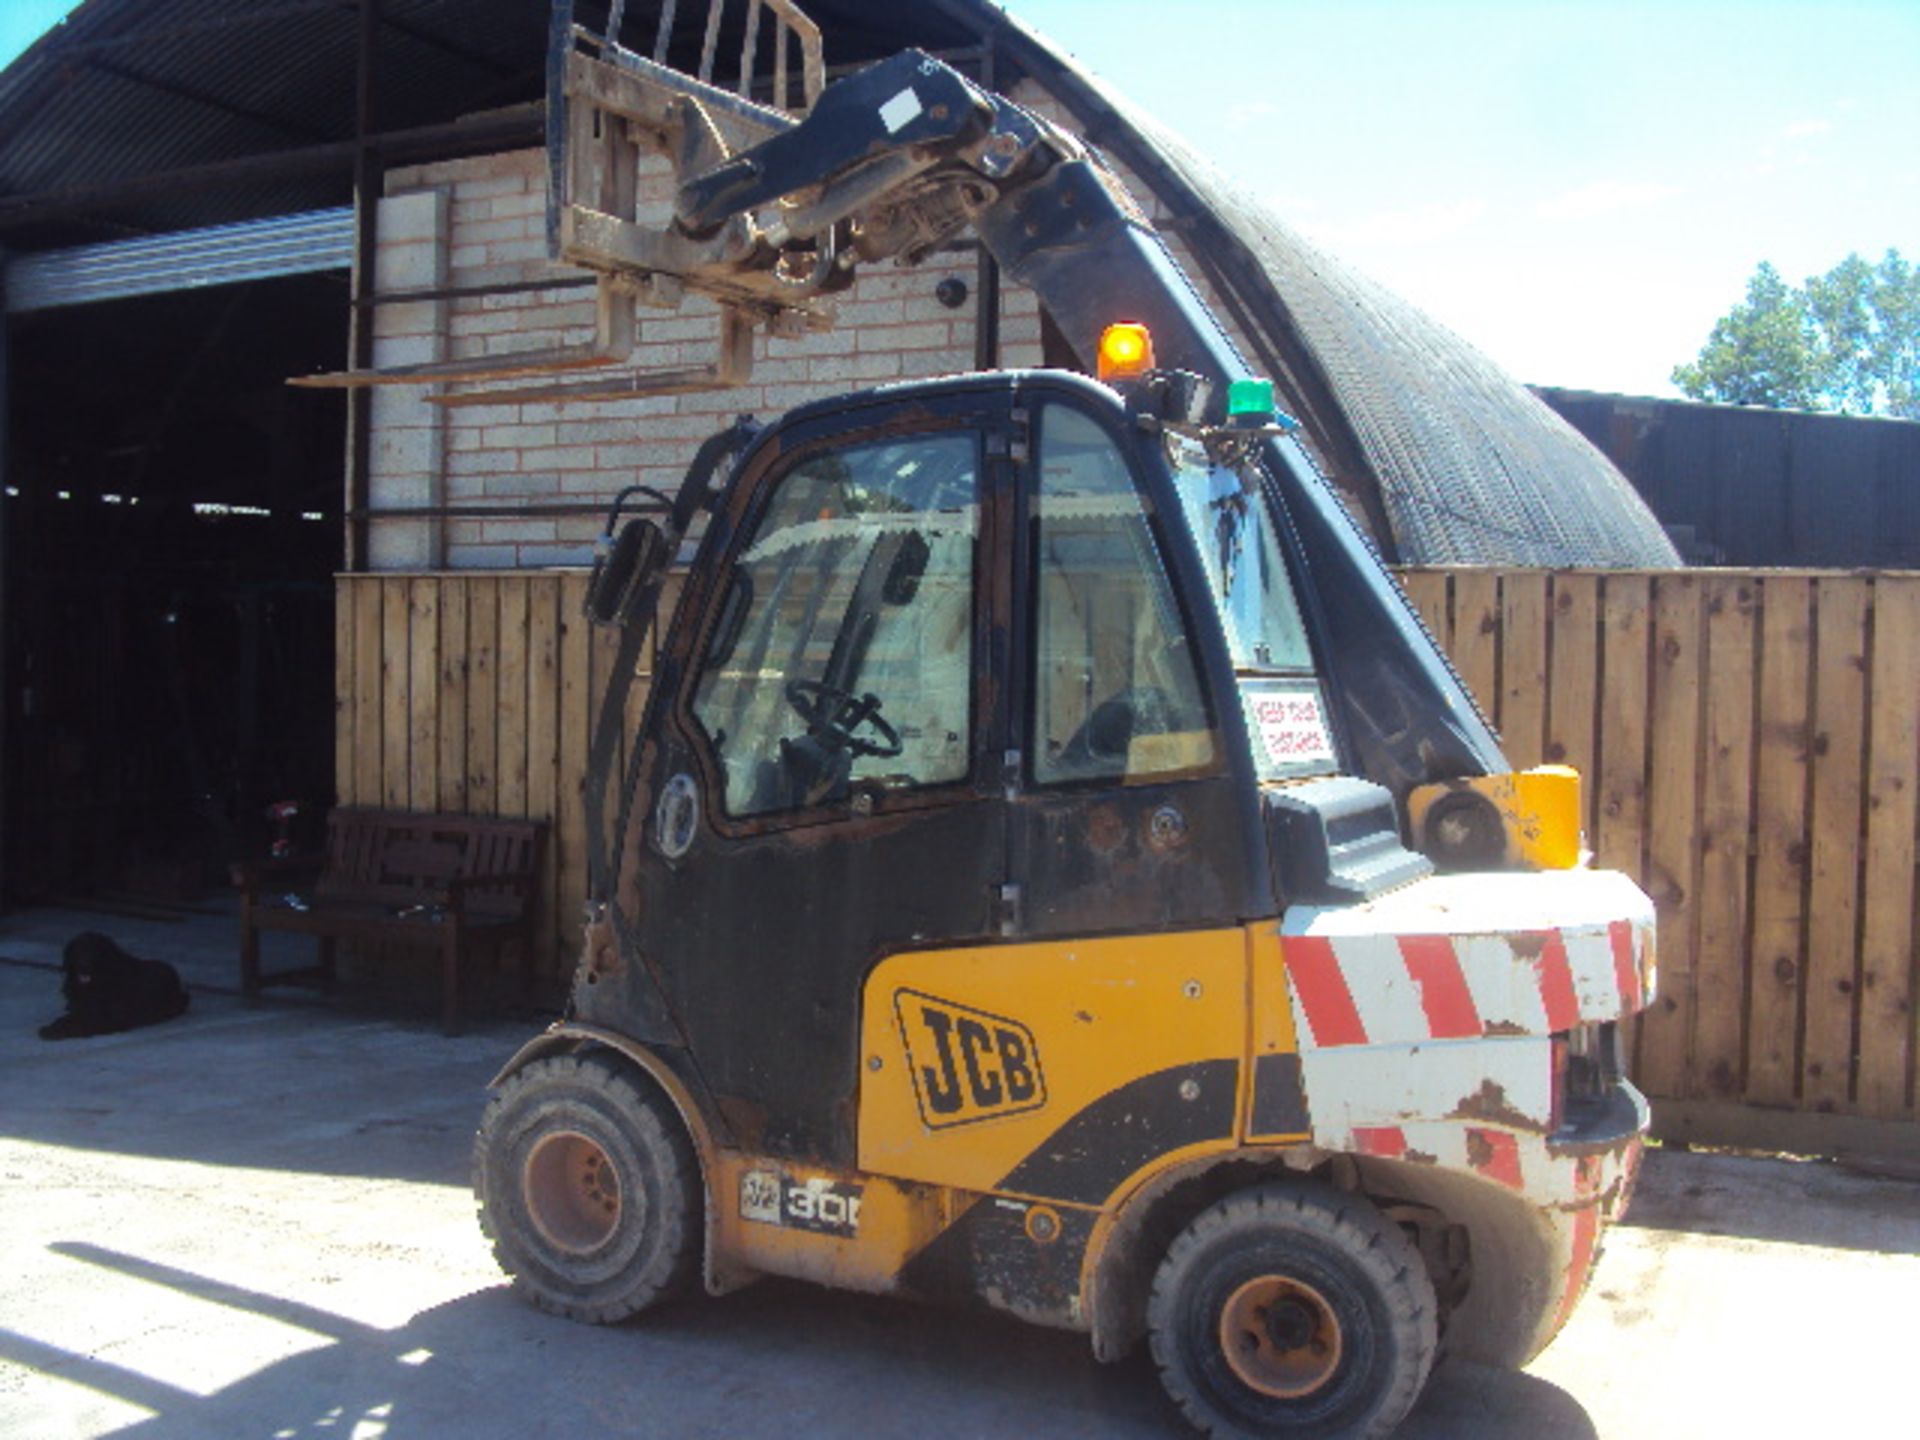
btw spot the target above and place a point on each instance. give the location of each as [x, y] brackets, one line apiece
[1471, 466]
[207, 77]
[128, 88]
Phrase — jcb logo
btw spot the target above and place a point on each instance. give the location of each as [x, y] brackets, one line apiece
[967, 1065]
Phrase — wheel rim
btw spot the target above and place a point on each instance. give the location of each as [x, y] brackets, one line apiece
[1280, 1337]
[572, 1192]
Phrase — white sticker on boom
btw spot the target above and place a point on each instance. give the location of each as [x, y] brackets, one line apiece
[899, 110]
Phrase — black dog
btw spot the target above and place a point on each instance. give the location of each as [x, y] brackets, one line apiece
[107, 990]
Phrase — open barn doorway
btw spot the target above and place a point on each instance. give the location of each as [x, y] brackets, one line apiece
[173, 523]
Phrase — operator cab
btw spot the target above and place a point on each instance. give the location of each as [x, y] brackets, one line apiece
[843, 661]
[982, 659]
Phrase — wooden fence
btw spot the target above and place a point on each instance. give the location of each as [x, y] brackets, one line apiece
[1750, 752]
[476, 693]
[1748, 739]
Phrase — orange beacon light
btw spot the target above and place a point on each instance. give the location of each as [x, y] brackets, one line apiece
[1125, 350]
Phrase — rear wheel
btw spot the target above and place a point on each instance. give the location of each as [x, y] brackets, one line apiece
[588, 1188]
[1293, 1310]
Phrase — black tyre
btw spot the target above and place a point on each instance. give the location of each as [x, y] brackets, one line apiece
[588, 1188]
[1293, 1310]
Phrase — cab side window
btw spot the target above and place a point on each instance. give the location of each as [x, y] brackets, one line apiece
[1116, 691]
[843, 653]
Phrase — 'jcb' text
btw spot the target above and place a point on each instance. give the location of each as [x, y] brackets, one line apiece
[967, 1065]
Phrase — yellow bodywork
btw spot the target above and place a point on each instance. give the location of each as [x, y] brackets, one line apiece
[1539, 810]
[975, 1064]
[1100, 1013]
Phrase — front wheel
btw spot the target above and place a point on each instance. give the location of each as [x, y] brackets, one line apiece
[1294, 1310]
[588, 1188]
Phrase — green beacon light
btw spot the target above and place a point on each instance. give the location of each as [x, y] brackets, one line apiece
[1250, 406]
[1250, 402]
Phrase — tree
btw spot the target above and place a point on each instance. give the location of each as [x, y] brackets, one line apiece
[1848, 340]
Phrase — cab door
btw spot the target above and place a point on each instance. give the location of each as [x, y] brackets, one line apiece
[1136, 810]
[827, 787]
[1108, 1026]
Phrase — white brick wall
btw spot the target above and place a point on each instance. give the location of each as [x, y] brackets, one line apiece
[483, 222]
[408, 461]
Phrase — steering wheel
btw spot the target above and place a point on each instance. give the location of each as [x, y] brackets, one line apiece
[833, 714]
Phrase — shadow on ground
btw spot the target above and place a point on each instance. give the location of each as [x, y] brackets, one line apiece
[486, 1365]
[1791, 1202]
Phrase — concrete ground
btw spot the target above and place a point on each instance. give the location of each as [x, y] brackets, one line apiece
[256, 1222]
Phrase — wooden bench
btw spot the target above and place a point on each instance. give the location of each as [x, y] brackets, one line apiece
[458, 883]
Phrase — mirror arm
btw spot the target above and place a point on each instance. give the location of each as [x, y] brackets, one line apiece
[635, 609]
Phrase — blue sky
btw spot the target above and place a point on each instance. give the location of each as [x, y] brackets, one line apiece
[1579, 188]
[24, 21]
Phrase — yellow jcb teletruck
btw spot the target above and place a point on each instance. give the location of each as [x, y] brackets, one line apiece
[1055, 868]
